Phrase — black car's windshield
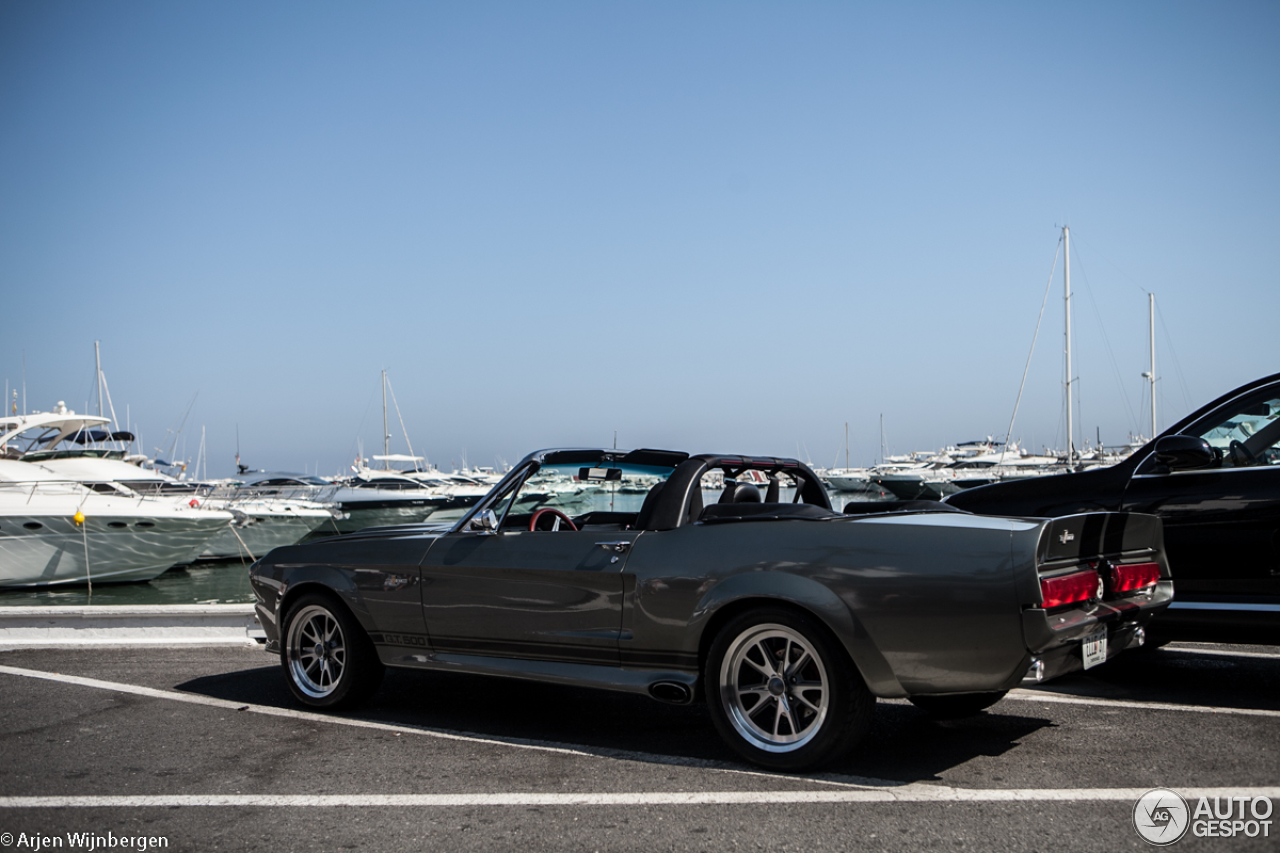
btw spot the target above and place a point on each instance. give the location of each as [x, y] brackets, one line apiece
[1249, 436]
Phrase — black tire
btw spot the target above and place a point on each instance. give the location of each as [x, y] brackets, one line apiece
[329, 661]
[958, 705]
[810, 712]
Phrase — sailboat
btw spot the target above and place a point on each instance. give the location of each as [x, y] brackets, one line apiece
[376, 497]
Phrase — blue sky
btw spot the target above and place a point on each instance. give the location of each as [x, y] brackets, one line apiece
[706, 226]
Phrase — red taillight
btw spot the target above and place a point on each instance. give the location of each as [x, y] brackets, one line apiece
[1068, 589]
[1134, 576]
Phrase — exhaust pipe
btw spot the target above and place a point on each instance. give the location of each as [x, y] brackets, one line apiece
[1036, 671]
[671, 692]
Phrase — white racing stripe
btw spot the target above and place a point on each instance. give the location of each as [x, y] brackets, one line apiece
[913, 793]
[1069, 699]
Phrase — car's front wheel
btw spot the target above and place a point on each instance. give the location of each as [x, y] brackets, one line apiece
[783, 693]
[328, 659]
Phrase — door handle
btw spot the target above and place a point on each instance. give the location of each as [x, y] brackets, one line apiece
[615, 546]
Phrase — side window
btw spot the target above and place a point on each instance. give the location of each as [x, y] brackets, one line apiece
[1250, 436]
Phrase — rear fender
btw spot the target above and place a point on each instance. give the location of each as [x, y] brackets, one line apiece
[765, 588]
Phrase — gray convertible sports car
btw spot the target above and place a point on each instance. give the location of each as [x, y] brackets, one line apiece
[728, 579]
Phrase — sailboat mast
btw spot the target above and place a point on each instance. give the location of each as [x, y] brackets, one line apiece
[386, 434]
[1151, 322]
[846, 445]
[97, 360]
[1066, 286]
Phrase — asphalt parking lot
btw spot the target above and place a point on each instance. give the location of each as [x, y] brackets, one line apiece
[203, 748]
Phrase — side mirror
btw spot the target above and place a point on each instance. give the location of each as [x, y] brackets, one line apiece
[1184, 453]
[485, 521]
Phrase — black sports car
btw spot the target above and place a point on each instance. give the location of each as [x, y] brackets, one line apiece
[673, 575]
[1214, 478]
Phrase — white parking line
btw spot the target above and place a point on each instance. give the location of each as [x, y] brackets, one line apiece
[849, 788]
[228, 705]
[913, 793]
[1226, 653]
[1070, 699]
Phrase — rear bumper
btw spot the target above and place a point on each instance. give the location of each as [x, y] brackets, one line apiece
[1055, 638]
[1066, 659]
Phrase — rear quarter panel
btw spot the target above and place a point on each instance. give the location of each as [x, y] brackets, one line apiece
[923, 603]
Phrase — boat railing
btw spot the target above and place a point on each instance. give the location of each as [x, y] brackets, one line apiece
[44, 488]
[314, 494]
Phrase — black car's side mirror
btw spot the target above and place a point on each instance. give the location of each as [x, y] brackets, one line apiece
[1184, 453]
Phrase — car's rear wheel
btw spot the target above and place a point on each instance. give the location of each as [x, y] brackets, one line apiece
[958, 705]
[328, 659]
[783, 693]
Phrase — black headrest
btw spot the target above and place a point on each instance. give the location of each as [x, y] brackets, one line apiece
[730, 487]
[747, 493]
[774, 492]
[695, 506]
[646, 509]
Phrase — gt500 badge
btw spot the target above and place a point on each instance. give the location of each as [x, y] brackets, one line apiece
[403, 640]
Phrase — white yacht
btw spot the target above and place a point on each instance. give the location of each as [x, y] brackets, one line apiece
[461, 492]
[250, 526]
[257, 524]
[261, 524]
[964, 466]
[54, 531]
[847, 479]
[375, 498]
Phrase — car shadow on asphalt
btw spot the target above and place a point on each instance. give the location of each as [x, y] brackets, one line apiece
[903, 746]
[1181, 676]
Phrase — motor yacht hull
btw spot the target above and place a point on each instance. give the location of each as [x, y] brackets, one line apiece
[850, 482]
[105, 549]
[913, 487]
[376, 513]
[256, 532]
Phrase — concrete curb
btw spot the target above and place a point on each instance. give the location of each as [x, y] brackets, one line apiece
[129, 625]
